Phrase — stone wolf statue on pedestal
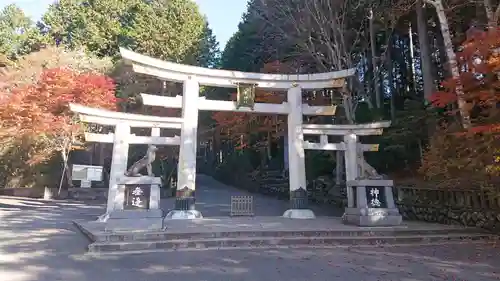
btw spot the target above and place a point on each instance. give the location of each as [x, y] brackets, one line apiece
[145, 161]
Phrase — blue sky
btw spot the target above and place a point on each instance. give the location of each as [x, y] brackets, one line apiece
[223, 15]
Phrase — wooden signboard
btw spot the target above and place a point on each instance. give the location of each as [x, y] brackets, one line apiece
[86, 173]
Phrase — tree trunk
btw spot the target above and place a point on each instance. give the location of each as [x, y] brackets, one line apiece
[339, 175]
[65, 174]
[441, 54]
[492, 16]
[399, 66]
[373, 45]
[390, 78]
[495, 16]
[412, 59]
[368, 75]
[69, 180]
[452, 61]
[404, 71]
[425, 54]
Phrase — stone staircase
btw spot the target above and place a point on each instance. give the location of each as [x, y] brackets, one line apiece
[322, 190]
[219, 234]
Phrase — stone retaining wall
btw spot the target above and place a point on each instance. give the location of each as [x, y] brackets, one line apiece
[464, 207]
[85, 194]
[76, 193]
[460, 207]
[22, 192]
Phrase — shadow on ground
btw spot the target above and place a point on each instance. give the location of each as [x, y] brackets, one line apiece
[39, 243]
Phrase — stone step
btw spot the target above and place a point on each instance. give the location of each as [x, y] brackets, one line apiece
[272, 242]
[272, 174]
[379, 232]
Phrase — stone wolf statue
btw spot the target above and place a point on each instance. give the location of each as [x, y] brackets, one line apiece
[145, 161]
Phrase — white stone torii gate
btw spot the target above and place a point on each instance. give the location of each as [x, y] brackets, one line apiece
[190, 102]
[192, 77]
[378, 211]
[116, 218]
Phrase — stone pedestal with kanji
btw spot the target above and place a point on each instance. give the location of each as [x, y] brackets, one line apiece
[136, 205]
[373, 204]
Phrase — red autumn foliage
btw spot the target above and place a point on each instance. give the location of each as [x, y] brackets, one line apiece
[238, 126]
[479, 61]
[39, 113]
[468, 159]
[42, 108]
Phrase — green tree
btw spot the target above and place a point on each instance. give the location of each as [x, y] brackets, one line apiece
[207, 52]
[171, 30]
[98, 25]
[18, 34]
[249, 48]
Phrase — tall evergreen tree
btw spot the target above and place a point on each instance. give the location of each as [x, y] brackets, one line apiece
[18, 34]
[171, 30]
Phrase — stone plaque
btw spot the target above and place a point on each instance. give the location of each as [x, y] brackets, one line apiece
[375, 197]
[245, 96]
[137, 196]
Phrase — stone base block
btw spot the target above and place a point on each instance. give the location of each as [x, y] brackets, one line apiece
[299, 214]
[183, 215]
[133, 220]
[372, 217]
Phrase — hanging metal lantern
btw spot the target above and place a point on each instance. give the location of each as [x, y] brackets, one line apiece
[245, 95]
